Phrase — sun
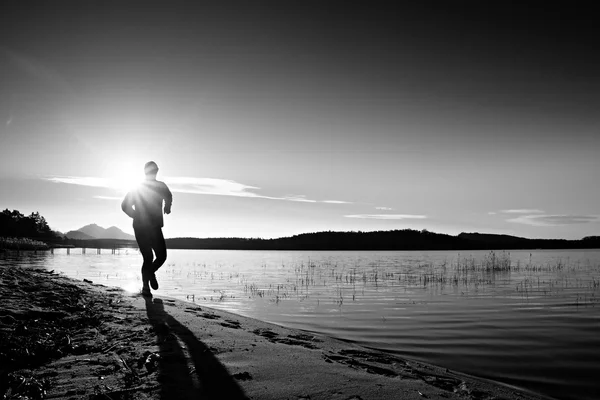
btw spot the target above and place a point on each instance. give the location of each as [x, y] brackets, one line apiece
[124, 176]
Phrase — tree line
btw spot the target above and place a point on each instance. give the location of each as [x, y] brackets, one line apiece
[405, 239]
[15, 224]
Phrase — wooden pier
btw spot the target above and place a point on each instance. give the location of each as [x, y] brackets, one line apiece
[113, 250]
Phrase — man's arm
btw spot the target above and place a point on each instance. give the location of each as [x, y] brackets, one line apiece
[127, 205]
[168, 200]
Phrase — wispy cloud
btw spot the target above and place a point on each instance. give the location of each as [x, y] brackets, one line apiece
[191, 185]
[384, 208]
[211, 186]
[224, 187]
[386, 216]
[294, 197]
[108, 198]
[85, 181]
[522, 211]
[554, 220]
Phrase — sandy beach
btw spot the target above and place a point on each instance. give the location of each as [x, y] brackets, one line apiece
[62, 338]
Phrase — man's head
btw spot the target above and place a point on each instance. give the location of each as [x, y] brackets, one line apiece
[150, 169]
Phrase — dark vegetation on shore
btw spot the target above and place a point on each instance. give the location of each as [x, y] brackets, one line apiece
[35, 329]
[34, 226]
[21, 232]
[34, 230]
[406, 239]
[12, 243]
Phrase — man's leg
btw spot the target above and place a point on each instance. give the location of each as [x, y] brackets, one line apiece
[160, 250]
[145, 245]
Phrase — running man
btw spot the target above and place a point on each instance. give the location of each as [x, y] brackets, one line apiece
[145, 205]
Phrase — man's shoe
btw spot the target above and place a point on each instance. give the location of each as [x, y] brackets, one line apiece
[146, 292]
[153, 282]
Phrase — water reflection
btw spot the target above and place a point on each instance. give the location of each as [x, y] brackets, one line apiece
[482, 313]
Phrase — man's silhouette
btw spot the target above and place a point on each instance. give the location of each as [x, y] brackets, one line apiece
[145, 205]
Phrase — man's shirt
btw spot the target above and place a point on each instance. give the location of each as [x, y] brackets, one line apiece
[147, 201]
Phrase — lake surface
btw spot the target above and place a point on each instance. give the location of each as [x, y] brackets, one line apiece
[525, 318]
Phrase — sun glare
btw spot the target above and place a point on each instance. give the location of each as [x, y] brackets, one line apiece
[124, 176]
[131, 285]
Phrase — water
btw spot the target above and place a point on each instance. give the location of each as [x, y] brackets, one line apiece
[525, 318]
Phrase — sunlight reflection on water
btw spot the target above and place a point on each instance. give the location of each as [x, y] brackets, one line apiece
[479, 312]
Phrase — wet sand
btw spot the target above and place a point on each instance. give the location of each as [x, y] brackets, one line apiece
[62, 338]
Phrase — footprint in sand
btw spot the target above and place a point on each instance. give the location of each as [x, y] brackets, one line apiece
[192, 310]
[231, 324]
[365, 360]
[266, 333]
[355, 363]
[296, 340]
[243, 376]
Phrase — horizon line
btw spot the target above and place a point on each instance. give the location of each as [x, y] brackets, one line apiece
[330, 231]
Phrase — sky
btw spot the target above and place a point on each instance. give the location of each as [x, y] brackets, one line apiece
[270, 119]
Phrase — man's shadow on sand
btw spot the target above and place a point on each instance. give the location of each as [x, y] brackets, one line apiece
[179, 351]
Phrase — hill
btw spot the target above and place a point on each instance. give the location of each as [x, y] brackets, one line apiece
[94, 231]
[78, 235]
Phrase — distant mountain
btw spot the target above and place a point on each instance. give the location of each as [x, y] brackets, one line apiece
[78, 235]
[115, 233]
[94, 231]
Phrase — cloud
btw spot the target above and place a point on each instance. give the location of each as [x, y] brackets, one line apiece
[191, 185]
[224, 187]
[295, 197]
[211, 186]
[554, 220]
[386, 216]
[108, 198]
[384, 208]
[84, 181]
[522, 211]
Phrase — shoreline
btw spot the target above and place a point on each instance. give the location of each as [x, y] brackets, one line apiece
[76, 339]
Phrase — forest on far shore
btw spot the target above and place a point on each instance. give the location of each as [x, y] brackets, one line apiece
[406, 239]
